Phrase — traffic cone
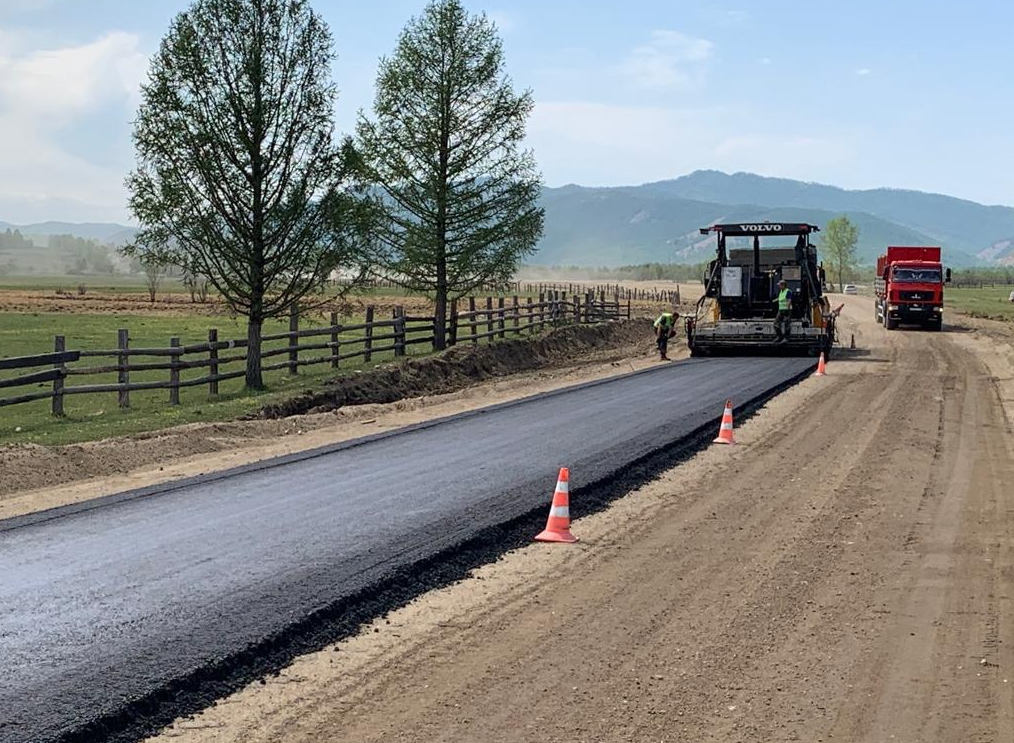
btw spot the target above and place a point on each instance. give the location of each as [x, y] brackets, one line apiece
[558, 523]
[821, 368]
[725, 431]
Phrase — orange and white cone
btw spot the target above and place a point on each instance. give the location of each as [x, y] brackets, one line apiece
[821, 367]
[558, 523]
[725, 431]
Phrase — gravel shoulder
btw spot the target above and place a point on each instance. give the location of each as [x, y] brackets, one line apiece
[844, 573]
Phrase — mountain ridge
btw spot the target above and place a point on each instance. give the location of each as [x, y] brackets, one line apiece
[659, 221]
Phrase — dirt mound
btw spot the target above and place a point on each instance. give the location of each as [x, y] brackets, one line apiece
[460, 367]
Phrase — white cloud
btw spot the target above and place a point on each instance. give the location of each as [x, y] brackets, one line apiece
[505, 20]
[601, 144]
[772, 154]
[863, 71]
[765, 60]
[670, 59]
[73, 80]
[43, 95]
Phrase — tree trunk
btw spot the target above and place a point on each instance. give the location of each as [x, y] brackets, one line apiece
[440, 323]
[254, 380]
[440, 297]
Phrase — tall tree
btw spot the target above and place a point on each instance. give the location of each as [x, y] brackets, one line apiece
[239, 174]
[458, 193]
[839, 242]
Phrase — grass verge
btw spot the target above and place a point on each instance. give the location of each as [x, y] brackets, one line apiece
[96, 416]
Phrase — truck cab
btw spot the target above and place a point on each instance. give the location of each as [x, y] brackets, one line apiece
[910, 287]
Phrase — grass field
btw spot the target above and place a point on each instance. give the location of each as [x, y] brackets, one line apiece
[991, 302]
[94, 416]
[35, 312]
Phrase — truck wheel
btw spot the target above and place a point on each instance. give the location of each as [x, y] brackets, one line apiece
[935, 326]
[889, 323]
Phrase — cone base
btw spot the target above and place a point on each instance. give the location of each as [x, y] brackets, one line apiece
[723, 441]
[819, 374]
[556, 536]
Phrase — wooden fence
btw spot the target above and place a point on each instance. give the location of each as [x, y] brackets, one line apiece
[616, 291]
[217, 360]
[619, 293]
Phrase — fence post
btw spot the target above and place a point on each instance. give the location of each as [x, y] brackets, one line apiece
[368, 336]
[531, 316]
[174, 373]
[542, 310]
[500, 318]
[515, 314]
[59, 346]
[213, 361]
[628, 306]
[577, 307]
[293, 340]
[123, 372]
[452, 334]
[399, 331]
[335, 341]
[678, 300]
[473, 325]
[489, 317]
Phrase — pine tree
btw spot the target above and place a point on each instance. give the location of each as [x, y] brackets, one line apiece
[239, 175]
[458, 195]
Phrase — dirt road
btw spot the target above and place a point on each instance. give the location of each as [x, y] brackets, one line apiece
[846, 573]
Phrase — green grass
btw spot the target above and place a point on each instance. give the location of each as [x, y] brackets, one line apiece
[95, 416]
[991, 302]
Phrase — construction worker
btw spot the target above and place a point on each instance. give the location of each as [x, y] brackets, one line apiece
[782, 319]
[665, 328]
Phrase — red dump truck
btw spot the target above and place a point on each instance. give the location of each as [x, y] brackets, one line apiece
[910, 287]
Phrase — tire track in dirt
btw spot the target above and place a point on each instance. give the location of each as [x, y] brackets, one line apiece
[937, 680]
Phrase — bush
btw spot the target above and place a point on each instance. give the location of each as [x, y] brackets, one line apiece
[82, 289]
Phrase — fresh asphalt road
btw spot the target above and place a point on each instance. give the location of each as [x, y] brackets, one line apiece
[101, 605]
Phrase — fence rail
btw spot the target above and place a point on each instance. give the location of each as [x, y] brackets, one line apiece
[531, 288]
[51, 373]
[616, 291]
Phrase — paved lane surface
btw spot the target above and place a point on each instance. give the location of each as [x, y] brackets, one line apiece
[104, 604]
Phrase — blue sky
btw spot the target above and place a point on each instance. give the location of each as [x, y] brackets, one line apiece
[904, 94]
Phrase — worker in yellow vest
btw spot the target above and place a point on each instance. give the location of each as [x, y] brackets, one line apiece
[782, 319]
[665, 328]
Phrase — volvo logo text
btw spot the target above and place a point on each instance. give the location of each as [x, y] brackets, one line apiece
[761, 227]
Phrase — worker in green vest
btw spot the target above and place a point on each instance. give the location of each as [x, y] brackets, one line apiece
[782, 319]
[665, 328]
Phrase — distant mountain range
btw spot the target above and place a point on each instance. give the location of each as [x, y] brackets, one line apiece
[659, 222]
[104, 232]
